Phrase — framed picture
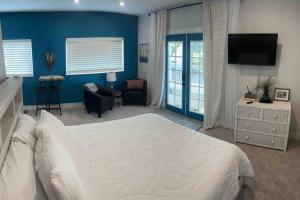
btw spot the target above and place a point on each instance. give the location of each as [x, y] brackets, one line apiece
[282, 94]
[144, 53]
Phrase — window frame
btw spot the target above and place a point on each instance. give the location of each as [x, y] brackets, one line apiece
[32, 68]
[95, 71]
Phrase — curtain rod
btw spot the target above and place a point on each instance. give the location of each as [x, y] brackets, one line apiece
[186, 5]
[177, 7]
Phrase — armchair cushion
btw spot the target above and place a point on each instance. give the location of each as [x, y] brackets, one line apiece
[104, 91]
[135, 84]
[134, 93]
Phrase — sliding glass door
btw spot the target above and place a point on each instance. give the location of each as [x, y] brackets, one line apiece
[184, 81]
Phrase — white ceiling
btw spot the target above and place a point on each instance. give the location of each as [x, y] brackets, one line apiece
[134, 7]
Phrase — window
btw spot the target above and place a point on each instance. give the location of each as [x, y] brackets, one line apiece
[18, 57]
[94, 55]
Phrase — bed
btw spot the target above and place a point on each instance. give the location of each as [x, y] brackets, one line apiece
[145, 157]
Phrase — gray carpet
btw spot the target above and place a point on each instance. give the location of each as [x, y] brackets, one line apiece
[277, 173]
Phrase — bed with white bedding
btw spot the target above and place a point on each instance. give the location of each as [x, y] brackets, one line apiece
[145, 157]
[149, 157]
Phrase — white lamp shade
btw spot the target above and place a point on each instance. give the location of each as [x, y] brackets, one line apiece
[111, 77]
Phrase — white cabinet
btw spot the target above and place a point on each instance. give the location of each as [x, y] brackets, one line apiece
[265, 125]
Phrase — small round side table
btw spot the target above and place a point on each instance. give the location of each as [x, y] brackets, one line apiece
[117, 96]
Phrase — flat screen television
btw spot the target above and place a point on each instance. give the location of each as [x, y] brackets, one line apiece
[252, 49]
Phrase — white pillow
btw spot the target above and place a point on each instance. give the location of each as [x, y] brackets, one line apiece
[49, 124]
[56, 170]
[17, 177]
[92, 87]
[23, 130]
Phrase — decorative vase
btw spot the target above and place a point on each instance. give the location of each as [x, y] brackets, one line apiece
[266, 97]
[50, 60]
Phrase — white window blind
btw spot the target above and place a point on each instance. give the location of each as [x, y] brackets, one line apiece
[94, 55]
[18, 57]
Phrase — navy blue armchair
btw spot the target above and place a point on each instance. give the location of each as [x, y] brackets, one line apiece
[98, 101]
[135, 95]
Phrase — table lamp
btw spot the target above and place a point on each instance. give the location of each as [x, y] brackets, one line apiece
[111, 78]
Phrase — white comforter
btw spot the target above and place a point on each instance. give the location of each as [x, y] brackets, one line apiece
[150, 158]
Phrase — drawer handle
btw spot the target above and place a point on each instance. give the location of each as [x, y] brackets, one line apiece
[272, 142]
[247, 137]
[248, 113]
[248, 125]
[274, 129]
[274, 116]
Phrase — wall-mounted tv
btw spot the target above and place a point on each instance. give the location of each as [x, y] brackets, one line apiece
[252, 49]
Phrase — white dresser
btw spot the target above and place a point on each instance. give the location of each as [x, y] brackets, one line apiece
[265, 125]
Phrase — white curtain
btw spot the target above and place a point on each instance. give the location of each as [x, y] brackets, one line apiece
[232, 94]
[2, 65]
[152, 50]
[215, 34]
[158, 61]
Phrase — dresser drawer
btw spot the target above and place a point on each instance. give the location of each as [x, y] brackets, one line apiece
[247, 124]
[276, 115]
[264, 127]
[261, 140]
[274, 128]
[249, 112]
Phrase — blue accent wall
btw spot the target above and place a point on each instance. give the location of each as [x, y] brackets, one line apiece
[50, 29]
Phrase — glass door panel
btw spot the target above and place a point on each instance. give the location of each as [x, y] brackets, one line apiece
[174, 75]
[196, 83]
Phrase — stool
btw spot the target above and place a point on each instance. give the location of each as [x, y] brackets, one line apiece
[41, 91]
[49, 86]
[54, 90]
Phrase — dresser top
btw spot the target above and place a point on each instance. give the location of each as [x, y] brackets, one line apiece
[277, 105]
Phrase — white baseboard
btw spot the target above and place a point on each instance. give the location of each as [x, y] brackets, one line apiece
[63, 106]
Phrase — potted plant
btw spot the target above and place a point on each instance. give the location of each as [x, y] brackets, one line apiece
[266, 86]
[50, 59]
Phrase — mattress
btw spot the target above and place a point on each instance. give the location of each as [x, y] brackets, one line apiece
[148, 157]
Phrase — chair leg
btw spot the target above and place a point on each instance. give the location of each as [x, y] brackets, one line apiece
[37, 104]
[59, 109]
[58, 96]
[99, 115]
[49, 102]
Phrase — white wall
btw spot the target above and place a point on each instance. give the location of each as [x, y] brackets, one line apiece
[282, 17]
[143, 38]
